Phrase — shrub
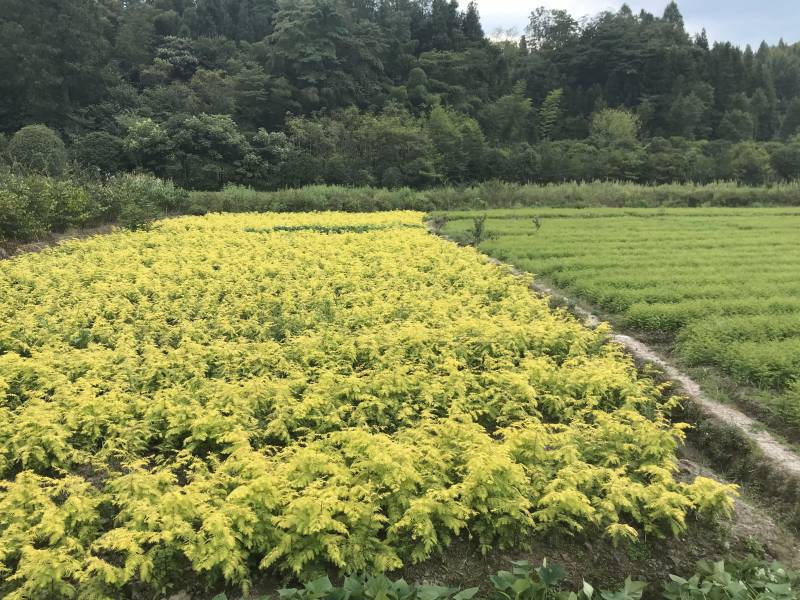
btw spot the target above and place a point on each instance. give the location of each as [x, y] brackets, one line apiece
[38, 149]
[137, 200]
[612, 126]
[71, 204]
[32, 205]
[478, 230]
[786, 160]
[751, 163]
[137, 215]
[23, 214]
[99, 150]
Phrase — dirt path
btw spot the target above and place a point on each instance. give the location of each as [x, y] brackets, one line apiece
[749, 521]
[777, 454]
[773, 449]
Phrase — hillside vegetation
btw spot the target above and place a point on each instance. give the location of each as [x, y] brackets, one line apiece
[284, 93]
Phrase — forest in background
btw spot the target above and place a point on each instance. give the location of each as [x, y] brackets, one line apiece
[283, 93]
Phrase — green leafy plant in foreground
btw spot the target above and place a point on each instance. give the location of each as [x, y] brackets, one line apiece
[751, 579]
[375, 587]
[526, 582]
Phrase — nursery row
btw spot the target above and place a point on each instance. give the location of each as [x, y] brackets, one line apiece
[226, 395]
[721, 285]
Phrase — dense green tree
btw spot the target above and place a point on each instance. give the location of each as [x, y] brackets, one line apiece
[391, 149]
[750, 163]
[465, 80]
[509, 118]
[263, 167]
[568, 161]
[39, 149]
[175, 61]
[615, 127]
[137, 37]
[471, 26]
[101, 151]
[459, 142]
[284, 92]
[791, 122]
[687, 116]
[400, 153]
[785, 159]
[551, 30]
[328, 54]
[417, 88]
[443, 29]
[208, 150]
[550, 114]
[52, 57]
[147, 143]
[764, 109]
[664, 162]
[736, 126]
[214, 92]
[673, 17]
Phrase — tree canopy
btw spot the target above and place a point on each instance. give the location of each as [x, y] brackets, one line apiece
[188, 89]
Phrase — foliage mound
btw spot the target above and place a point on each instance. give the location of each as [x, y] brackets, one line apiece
[32, 206]
[38, 149]
[199, 402]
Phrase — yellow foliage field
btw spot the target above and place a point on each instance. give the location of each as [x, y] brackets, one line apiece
[227, 394]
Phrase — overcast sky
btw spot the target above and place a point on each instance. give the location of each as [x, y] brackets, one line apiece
[739, 21]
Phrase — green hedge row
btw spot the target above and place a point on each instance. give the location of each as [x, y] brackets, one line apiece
[750, 579]
[493, 194]
[32, 206]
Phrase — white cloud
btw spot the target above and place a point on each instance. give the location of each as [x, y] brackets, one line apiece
[740, 21]
[507, 14]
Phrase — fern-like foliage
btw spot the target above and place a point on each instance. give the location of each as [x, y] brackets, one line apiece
[340, 391]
